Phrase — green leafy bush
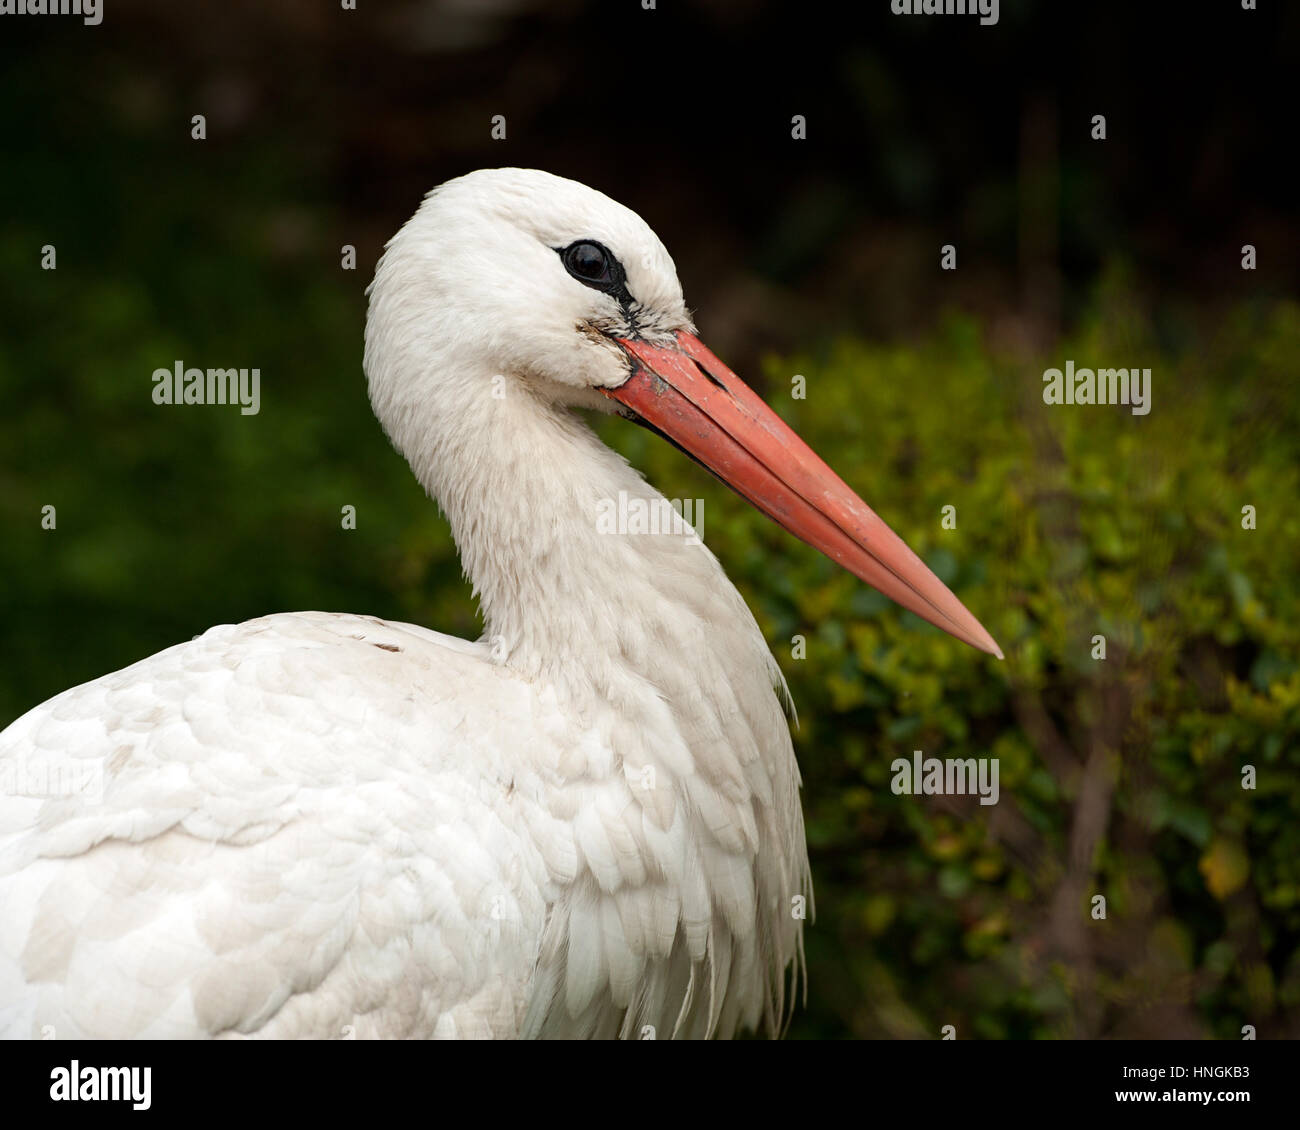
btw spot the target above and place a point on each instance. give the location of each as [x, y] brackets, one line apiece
[1120, 777]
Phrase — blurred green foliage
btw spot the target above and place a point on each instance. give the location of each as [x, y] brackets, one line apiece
[1119, 777]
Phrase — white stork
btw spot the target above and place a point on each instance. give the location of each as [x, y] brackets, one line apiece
[586, 823]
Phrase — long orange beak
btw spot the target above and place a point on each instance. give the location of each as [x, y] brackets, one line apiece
[693, 399]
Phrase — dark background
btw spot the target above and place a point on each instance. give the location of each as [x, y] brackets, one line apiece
[819, 256]
[920, 129]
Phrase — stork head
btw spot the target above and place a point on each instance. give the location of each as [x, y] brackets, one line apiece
[535, 278]
[515, 275]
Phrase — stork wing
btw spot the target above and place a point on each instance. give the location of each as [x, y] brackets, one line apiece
[304, 825]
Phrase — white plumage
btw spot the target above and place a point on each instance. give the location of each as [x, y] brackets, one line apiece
[316, 824]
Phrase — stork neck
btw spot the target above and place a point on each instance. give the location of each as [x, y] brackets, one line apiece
[658, 667]
[546, 520]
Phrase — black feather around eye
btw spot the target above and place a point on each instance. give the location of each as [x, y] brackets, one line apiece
[594, 265]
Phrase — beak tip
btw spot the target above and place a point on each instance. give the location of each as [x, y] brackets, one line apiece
[989, 645]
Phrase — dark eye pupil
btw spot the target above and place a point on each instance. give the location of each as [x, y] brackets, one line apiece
[594, 265]
[587, 260]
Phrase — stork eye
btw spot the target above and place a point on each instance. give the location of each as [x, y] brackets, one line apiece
[588, 261]
[593, 265]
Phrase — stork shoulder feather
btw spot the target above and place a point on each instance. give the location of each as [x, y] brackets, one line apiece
[302, 797]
